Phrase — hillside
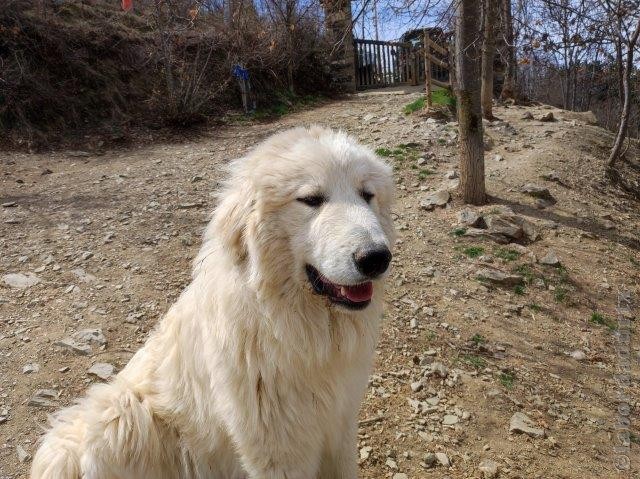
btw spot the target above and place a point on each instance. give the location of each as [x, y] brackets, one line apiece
[493, 311]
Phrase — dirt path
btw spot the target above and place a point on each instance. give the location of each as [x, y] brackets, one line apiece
[110, 238]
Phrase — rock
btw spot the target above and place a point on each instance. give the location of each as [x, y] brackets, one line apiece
[391, 464]
[430, 459]
[537, 192]
[550, 259]
[422, 161]
[527, 116]
[439, 369]
[23, 456]
[521, 424]
[83, 276]
[450, 420]
[78, 154]
[443, 459]
[439, 198]
[416, 386]
[498, 158]
[368, 117]
[451, 175]
[102, 370]
[365, 453]
[44, 398]
[20, 280]
[30, 368]
[552, 176]
[547, 117]
[488, 468]
[608, 225]
[495, 276]
[468, 217]
[9, 204]
[504, 225]
[578, 355]
[74, 346]
[90, 336]
[400, 475]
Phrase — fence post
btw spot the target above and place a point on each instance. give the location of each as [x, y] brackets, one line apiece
[427, 67]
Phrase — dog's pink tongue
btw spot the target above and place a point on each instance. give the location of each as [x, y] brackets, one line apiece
[358, 293]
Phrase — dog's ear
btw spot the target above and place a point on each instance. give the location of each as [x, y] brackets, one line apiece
[230, 222]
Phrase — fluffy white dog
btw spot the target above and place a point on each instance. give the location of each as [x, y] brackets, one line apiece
[259, 369]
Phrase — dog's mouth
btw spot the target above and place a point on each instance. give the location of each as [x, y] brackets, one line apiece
[353, 296]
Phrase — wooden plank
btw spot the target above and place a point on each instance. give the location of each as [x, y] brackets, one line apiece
[427, 67]
[438, 62]
[440, 83]
[438, 48]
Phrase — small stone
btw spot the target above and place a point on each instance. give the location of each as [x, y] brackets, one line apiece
[23, 456]
[417, 386]
[365, 453]
[527, 116]
[74, 346]
[87, 255]
[451, 175]
[450, 420]
[43, 398]
[537, 192]
[443, 459]
[439, 369]
[90, 336]
[400, 475]
[413, 324]
[439, 198]
[20, 280]
[430, 459]
[498, 158]
[422, 161]
[391, 464]
[102, 370]
[550, 259]
[547, 117]
[30, 368]
[498, 277]
[521, 424]
[488, 468]
[468, 217]
[9, 204]
[578, 355]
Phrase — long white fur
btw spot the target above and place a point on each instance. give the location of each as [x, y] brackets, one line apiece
[250, 374]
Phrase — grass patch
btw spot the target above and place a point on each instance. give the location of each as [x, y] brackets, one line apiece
[422, 174]
[443, 96]
[518, 289]
[475, 361]
[602, 320]
[285, 103]
[507, 254]
[473, 251]
[526, 272]
[459, 232]
[507, 379]
[386, 152]
[478, 339]
[535, 307]
[414, 106]
[560, 294]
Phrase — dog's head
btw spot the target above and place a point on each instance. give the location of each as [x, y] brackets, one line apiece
[308, 211]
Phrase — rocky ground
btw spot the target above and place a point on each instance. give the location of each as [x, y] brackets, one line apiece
[498, 351]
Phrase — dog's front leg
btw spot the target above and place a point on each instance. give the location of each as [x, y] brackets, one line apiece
[339, 460]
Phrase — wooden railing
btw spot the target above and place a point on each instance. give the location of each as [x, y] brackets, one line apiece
[380, 64]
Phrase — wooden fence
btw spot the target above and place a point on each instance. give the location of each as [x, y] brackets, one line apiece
[380, 64]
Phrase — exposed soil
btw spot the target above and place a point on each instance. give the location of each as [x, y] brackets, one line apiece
[111, 235]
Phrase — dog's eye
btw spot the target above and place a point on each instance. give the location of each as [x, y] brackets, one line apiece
[366, 195]
[313, 200]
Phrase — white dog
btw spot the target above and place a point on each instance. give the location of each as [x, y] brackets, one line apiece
[259, 369]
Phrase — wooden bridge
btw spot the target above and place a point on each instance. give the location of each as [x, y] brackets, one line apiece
[379, 63]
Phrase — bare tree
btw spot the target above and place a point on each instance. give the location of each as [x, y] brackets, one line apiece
[509, 85]
[631, 43]
[489, 17]
[471, 151]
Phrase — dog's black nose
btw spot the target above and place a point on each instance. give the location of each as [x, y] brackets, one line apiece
[372, 262]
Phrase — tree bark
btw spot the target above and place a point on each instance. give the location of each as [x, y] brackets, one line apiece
[488, 54]
[509, 84]
[626, 108]
[471, 151]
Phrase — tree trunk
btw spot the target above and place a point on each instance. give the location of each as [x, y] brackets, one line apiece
[509, 84]
[488, 53]
[626, 88]
[471, 149]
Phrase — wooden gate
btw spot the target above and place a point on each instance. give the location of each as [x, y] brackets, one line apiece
[380, 64]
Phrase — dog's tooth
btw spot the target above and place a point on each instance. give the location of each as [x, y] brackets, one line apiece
[343, 291]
